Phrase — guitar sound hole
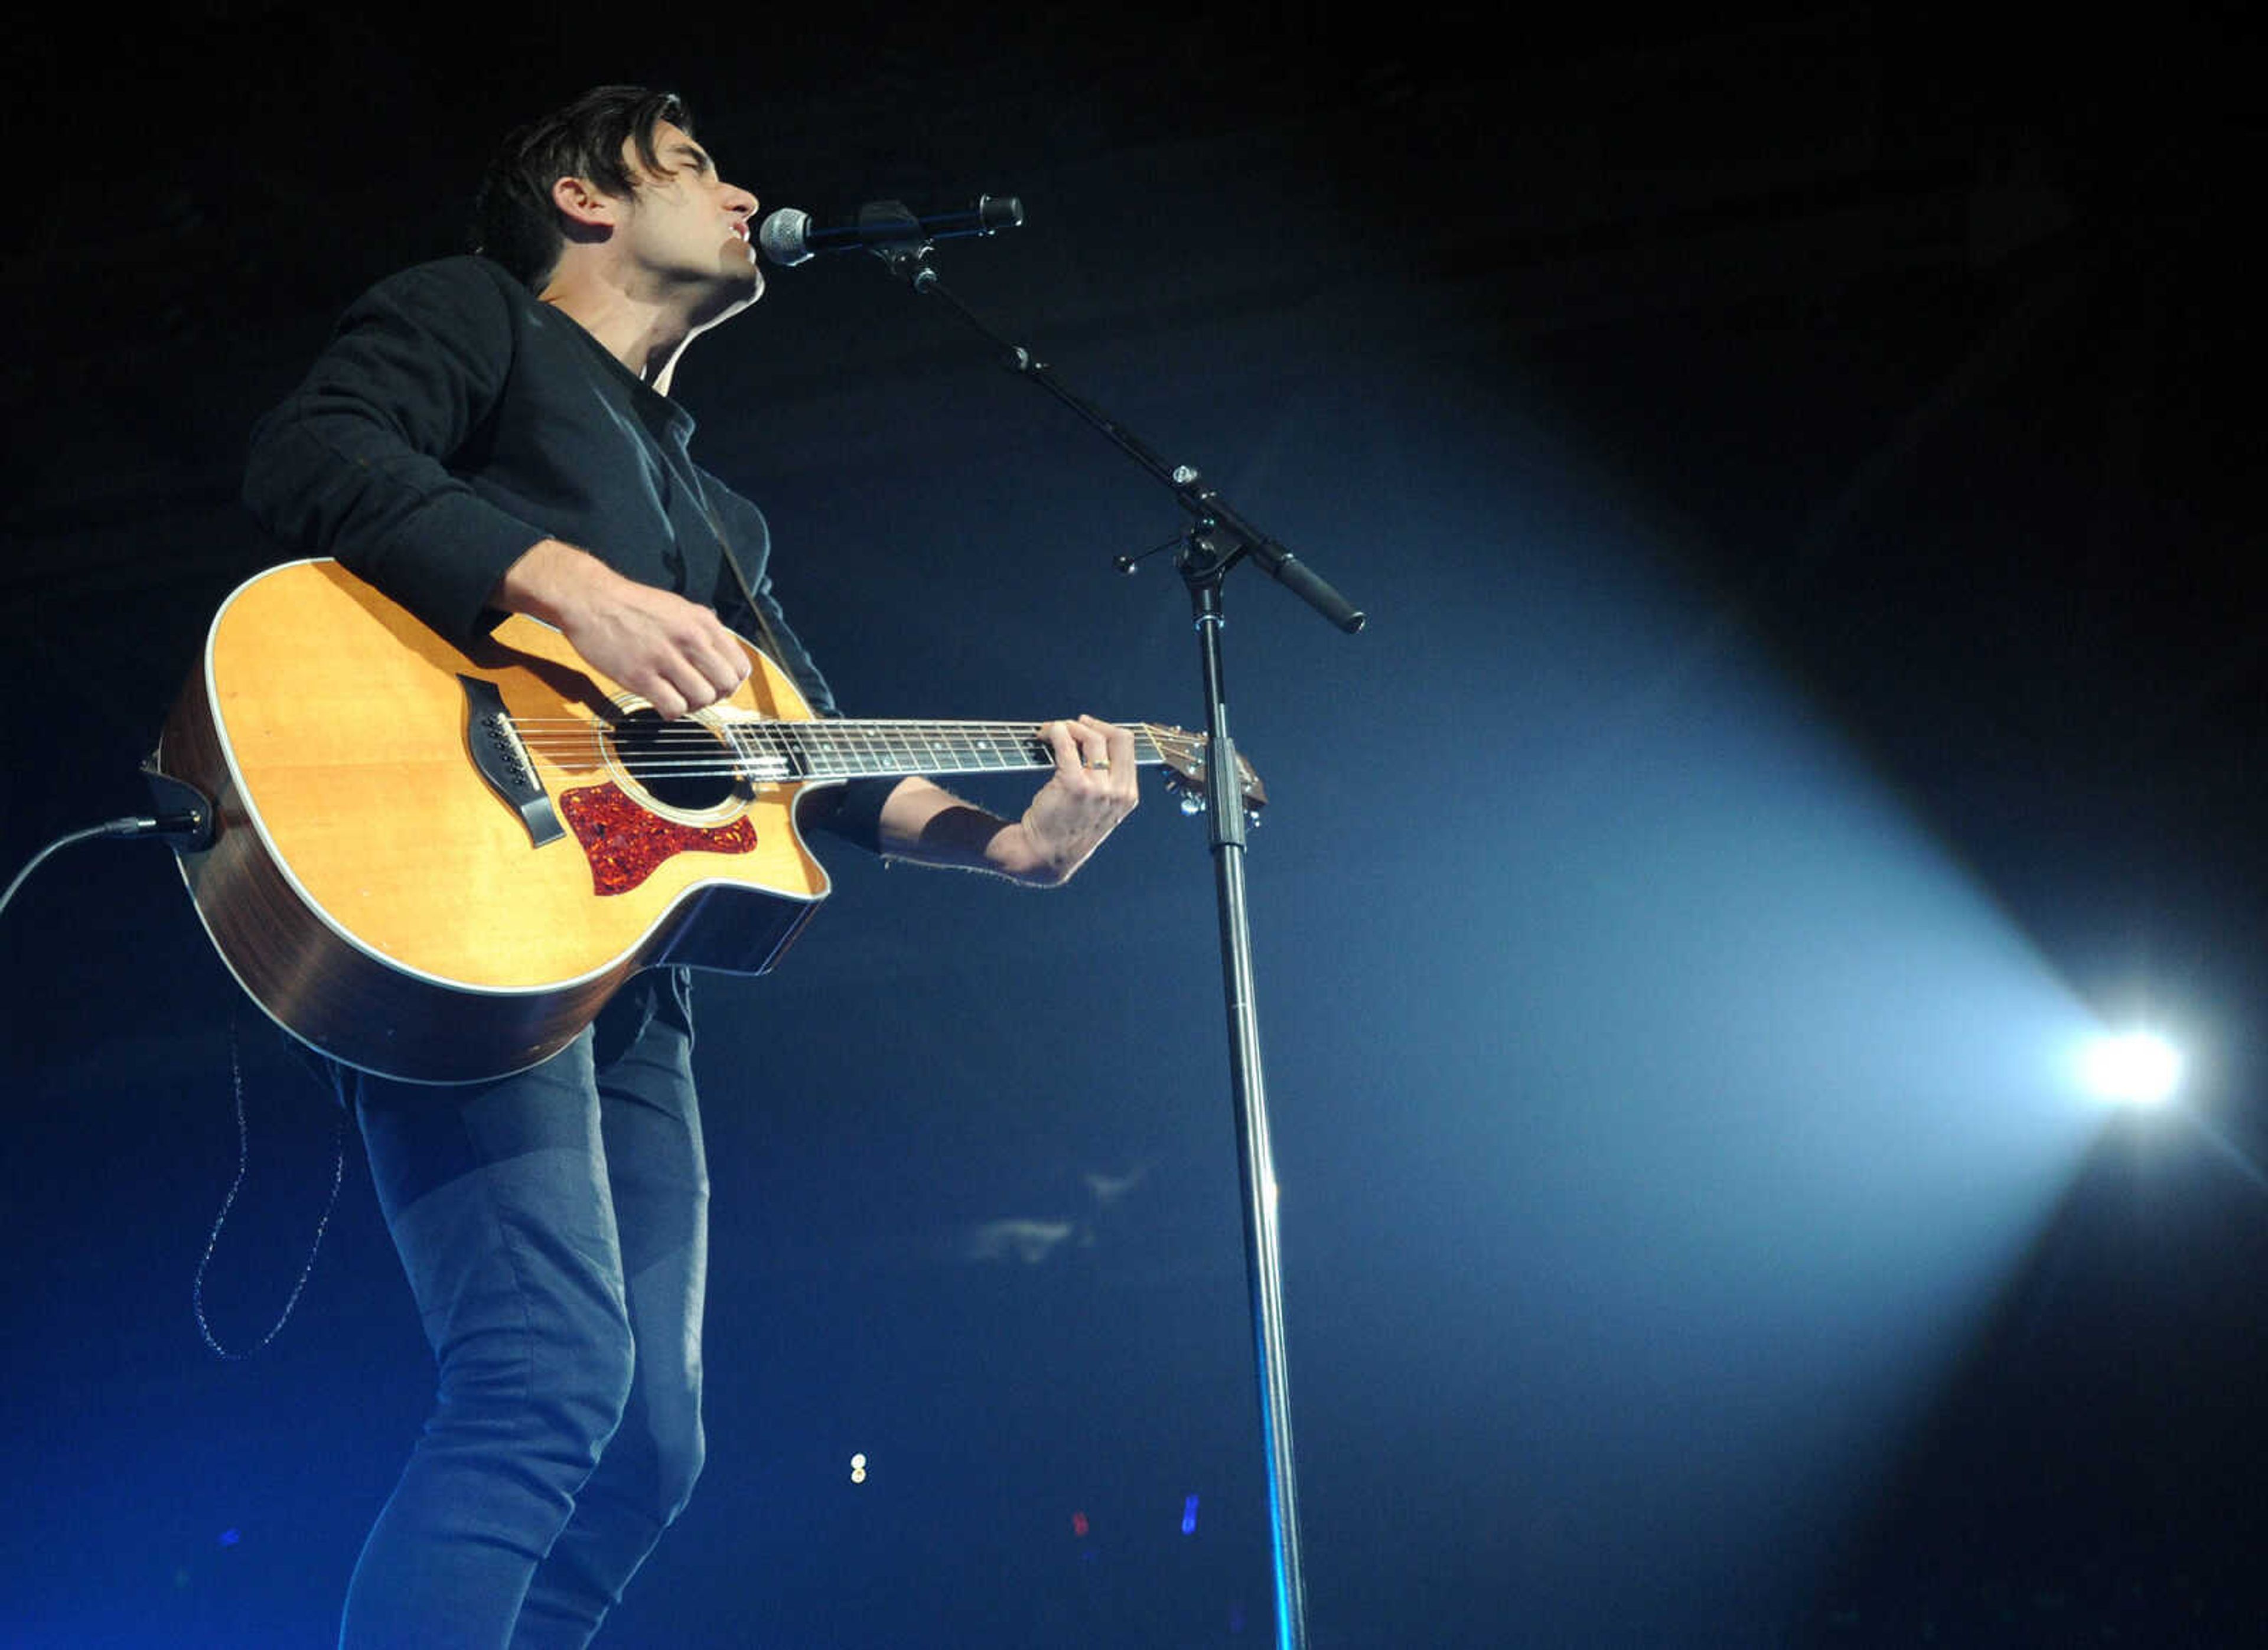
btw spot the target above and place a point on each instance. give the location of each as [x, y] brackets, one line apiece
[680, 764]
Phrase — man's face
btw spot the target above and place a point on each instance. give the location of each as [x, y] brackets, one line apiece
[688, 227]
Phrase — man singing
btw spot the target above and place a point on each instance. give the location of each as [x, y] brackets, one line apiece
[494, 434]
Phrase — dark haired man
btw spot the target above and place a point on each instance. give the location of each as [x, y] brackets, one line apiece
[479, 439]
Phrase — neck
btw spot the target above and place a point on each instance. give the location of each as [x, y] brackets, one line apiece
[829, 749]
[646, 332]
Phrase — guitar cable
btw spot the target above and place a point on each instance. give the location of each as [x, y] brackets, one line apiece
[186, 823]
[183, 827]
[184, 818]
[212, 1238]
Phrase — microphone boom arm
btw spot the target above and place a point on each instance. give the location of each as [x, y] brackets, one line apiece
[1235, 537]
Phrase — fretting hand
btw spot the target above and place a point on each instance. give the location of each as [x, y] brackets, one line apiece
[1093, 788]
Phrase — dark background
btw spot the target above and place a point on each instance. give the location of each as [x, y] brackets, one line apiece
[1798, 467]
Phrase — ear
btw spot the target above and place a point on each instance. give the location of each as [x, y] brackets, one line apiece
[585, 204]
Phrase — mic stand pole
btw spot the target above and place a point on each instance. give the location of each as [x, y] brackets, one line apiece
[1217, 540]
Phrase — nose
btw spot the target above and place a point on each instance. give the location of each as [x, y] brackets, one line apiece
[740, 202]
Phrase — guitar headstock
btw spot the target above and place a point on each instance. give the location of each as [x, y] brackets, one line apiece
[1189, 770]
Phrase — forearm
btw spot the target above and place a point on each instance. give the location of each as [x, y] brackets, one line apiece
[553, 581]
[1092, 789]
[924, 822]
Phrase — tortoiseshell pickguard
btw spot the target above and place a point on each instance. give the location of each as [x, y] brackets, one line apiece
[625, 842]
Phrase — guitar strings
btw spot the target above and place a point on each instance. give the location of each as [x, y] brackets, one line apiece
[722, 748]
[754, 749]
[815, 725]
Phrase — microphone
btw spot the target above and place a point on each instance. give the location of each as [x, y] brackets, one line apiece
[788, 237]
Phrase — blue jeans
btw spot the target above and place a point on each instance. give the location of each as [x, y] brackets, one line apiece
[554, 1227]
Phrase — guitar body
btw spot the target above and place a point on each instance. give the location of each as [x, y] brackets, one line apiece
[387, 904]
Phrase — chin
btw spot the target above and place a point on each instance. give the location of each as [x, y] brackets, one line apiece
[738, 289]
[752, 278]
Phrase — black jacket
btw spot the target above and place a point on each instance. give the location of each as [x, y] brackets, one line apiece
[453, 421]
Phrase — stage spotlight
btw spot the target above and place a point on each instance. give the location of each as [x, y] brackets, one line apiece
[2134, 1068]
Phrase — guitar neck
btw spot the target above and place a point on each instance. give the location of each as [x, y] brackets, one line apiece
[860, 749]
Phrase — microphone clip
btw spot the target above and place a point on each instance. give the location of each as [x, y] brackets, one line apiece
[889, 230]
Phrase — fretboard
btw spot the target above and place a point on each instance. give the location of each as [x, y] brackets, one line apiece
[778, 751]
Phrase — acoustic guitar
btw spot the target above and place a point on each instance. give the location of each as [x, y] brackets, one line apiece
[437, 865]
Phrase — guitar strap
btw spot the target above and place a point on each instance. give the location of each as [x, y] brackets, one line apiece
[768, 639]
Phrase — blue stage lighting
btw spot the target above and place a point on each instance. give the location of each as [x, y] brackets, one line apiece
[2134, 1068]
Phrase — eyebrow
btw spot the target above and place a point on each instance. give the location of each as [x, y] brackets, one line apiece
[699, 156]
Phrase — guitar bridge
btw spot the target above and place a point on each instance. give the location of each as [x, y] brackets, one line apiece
[503, 761]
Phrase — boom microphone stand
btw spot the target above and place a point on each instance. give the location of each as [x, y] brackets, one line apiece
[1217, 540]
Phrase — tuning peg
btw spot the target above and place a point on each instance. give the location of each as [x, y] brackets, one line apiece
[1192, 804]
